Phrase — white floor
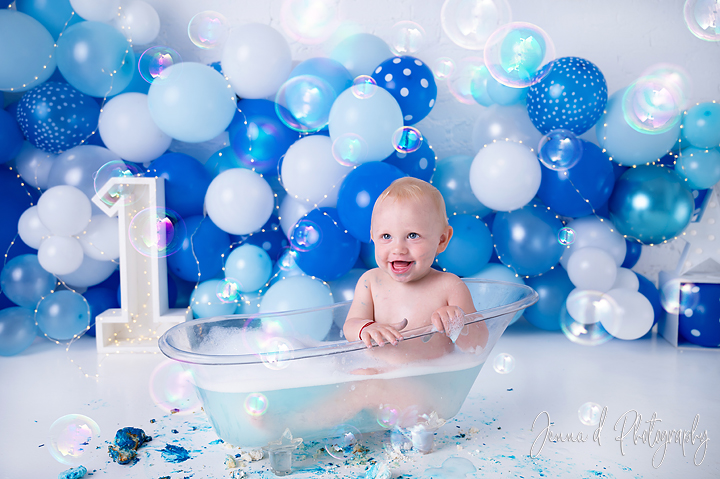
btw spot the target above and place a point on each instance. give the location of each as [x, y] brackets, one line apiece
[492, 431]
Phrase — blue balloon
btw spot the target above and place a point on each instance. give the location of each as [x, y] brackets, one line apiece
[572, 97]
[411, 83]
[186, 182]
[205, 303]
[700, 324]
[502, 94]
[470, 247]
[99, 300]
[25, 282]
[222, 160]
[273, 242]
[200, 255]
[701, 125]
[28, 52]
[11, 138]
[367, 255]
[479, 86]
[250, 266]
[632, 254]
[553, 288]
[63, 315]
[699, 167]
[358, 192]
[500, 272]
[332, 71]
[419, 163]
[17, 330]
[647, 288]
[526, 239]
[56, 16]
[56, 117]
[336, 251]
[137, 84]
[651, 204]
[452, 179]
[361, 53]
[579, 190]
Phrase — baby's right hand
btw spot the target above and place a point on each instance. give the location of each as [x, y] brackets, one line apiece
[382, 333]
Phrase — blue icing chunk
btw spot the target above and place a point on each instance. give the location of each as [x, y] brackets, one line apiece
[74, 473]
[175, 453]
[127, 442]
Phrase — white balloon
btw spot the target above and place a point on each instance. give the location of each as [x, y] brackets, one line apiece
[592, 231]
[64, 210]
[90, 273]
[634, 316]
[34, 165]
[310, 173]
[239, 201]
[31, 230]
[256, 59]
[626, 279]
[498, 122]
[589, 307]
[128, 130]
[592, 268]
[505, 176]
[60, 254]
[101, 240]
[290, 212]
[96, 10]
[138, 21]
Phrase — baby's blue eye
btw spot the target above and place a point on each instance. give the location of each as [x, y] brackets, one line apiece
[385, 236]
[413, 235]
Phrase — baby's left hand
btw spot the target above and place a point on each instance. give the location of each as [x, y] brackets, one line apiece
[449, 320]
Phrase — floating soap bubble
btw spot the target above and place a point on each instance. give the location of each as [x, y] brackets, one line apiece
[309, 21]
[407, 139]
[171, 388]
[406, 38]
[364, 86]
[123, 193]
[443, 68]
[589, 413]
[277, 353]
[560, 150]
[72, 438]
[674, 77]
[303, 103]
[566, 236]
[342, 441]
[286, 262]
[703, 19]
[157, 232]
[581, 319]
[256, 404]
[154, 62]
[208, 29]
[519, 54]
[350, 149]
[228, 290]
[652, 104]
[469, 23]
[461, 82]
[677, 297]
[503, 363]
[306, 235]
[387, 416]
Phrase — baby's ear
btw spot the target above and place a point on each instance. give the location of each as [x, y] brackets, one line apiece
[445, 239]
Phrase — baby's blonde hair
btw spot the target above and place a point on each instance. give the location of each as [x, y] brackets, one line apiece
[409, 188]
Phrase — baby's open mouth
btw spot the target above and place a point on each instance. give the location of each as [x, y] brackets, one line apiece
[400, 267]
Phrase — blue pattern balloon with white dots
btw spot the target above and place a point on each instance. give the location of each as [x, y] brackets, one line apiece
[411, 83]
[572, 97]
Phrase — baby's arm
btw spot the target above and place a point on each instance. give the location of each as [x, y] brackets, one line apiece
[473, 335]
[449, 319]
[360, 322]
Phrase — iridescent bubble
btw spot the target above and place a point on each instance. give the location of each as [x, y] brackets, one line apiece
[461, 82]
[172, 390]
[407, 139]
[677, 296]
[306, 235]
[342, 441]
[276, 353]
[675, 77]
[208, 29]
[406, 38]
[443, 68]
[364, 86]
[303, 103]
[652, 104]
[387, 416]
[309, 21]
[256, 404]
[154, 62]
[286, 262]
[123, 193]
[581, 319]
[503, 363]
[589, 413]
[560, 150]
[519, 54]
[469, 23]
[157, 232]
[703, 19]
[72, 438]
[228, 290]
[566, 236]
[350, 149]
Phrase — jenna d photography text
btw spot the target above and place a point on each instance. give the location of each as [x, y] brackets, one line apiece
[630, 428]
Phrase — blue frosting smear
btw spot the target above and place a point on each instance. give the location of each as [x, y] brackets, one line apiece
[74, 473]
[175, 453]
[127, 441]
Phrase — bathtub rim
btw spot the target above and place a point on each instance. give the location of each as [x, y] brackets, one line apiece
[333, 347]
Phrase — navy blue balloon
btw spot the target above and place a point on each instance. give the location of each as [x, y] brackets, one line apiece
[572, 97]
[632, 254]
[199, 257]
[333, 256]
[470, 247]
[11, 138]
[411, 83]
[591, 179]
[526, 239]
[647, 288]
[358, 192]
[419, 164]
[55, 116]
[99, 300]
[699, 324]
[186, 182]
[552, 288]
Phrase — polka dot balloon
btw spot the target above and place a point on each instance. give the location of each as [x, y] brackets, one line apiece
[698, 312]
[411, 83]
[571, 97]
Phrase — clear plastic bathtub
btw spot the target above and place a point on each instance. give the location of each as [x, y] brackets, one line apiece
[258, 375]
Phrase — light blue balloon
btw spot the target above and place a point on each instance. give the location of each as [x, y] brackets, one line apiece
[63, 315]
[699, 167]
[106, 66]
[285, 267]
[504, 95]
[27, 52]
[499, 272]
[250, 266]
[627, 146]
[25, 282]
[361, 53]
[479, 86]
[343, 288]
[332, 71]
[17, 330]
[205, 303]
[193, 103]
[701, 125]
[452, 179]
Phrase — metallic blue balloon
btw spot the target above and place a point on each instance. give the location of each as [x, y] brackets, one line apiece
[651, 204]
[411, 83]
[699, 323]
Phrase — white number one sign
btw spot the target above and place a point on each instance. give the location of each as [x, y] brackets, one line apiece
[144, 314]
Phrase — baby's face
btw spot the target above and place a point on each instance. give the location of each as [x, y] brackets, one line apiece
[408, 234]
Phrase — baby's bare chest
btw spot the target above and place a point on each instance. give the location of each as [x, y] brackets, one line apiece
[416, 303]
